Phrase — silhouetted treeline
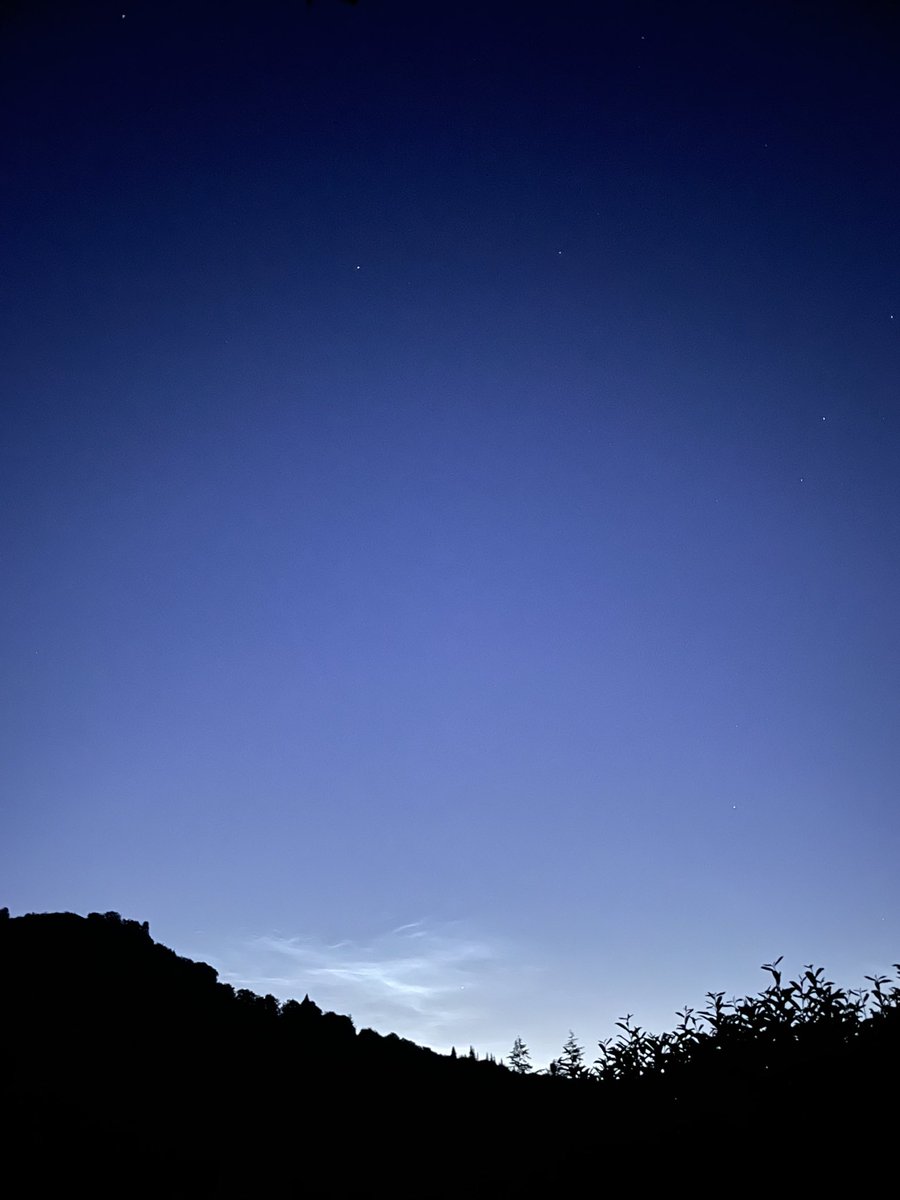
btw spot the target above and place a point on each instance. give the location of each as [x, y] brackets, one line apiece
[124, 1061]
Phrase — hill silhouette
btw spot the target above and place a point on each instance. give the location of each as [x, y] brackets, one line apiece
[130, 1067]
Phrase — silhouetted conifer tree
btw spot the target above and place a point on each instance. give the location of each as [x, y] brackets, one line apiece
[571, 1062]
[520, 1058]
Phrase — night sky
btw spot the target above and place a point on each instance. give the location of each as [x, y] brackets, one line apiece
[450, 503]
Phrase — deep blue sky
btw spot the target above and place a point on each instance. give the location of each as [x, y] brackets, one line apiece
[450, 497]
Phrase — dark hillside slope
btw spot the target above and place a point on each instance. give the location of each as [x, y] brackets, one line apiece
[119, 1052]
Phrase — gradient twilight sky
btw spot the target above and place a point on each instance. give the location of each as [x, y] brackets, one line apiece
[450, 497]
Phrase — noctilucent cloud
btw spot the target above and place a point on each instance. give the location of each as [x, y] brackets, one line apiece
[449, 479]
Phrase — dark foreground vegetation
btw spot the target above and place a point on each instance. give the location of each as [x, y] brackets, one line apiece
[130, 1069]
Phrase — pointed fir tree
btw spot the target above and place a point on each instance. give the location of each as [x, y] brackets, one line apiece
[520, 1058]
[571, 1062]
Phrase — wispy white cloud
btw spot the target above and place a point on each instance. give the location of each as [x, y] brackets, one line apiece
[428, 982]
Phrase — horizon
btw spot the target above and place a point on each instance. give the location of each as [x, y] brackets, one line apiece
[450, 499]
[864, 990]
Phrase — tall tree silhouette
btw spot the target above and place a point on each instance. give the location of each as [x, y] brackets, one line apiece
[570, 1063]
[520, 1058]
